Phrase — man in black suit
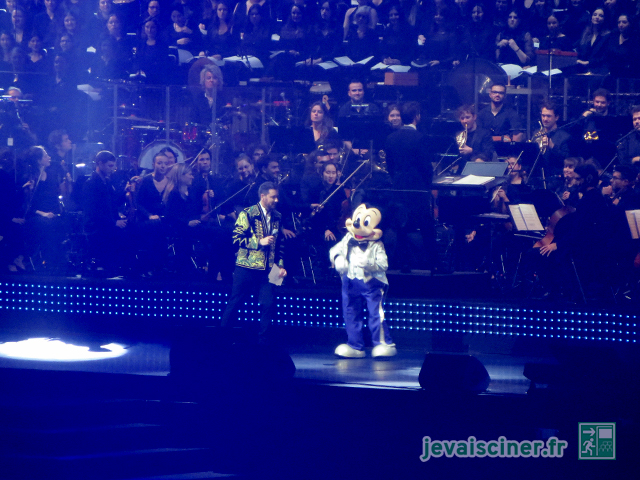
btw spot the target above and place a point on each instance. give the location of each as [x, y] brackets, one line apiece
[411, 171]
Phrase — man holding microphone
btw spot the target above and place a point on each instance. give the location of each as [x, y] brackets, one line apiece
[259, 262]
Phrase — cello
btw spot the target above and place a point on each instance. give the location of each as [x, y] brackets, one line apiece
[551, 225]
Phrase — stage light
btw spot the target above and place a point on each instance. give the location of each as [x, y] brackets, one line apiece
[54, 350]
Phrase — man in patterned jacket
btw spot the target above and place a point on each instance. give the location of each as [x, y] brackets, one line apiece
[258, 234]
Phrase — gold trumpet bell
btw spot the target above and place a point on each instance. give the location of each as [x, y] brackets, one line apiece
[591, 136]
[461, 138]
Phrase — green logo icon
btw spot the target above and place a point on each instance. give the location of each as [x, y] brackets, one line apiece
[597, 441]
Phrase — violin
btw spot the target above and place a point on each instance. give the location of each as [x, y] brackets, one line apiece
[206, 203]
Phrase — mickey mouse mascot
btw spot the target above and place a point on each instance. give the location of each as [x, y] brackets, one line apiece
[361, 261]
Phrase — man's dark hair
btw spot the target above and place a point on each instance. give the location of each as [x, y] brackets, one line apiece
[465, 109]
[265, 187]
[355, 80]
[602, 92]
[329, 145]
[634, 109]
[410, 112]
[265, 161]
[498, 84]
[55, 137]
[589, 175]
[105, 156]
[550, 106]
[626, 172]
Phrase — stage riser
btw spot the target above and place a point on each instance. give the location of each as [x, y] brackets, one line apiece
[202, 305]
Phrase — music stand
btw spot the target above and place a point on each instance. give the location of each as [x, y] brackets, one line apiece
[363, 130]
[294, 139]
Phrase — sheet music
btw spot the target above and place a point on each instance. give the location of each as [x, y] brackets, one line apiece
[530, 216]
[525, 217]
[474, 180]
[518, 219]
[633, 218]
[274, 275]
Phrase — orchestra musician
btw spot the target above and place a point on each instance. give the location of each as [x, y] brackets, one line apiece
[500, 119]
[12, 221]
[321, 124]
[203, 102]
[553, 142]
[210, 190]
[243, 185]
[629, 147]
[150, 211]
[568, 189]
[513, 190]
[584, 238]
[473, 140]
[325, 228]
[44, 224]
[623, 196]
[356, 105]
[183, 213]
[107, 229]
[207, 187]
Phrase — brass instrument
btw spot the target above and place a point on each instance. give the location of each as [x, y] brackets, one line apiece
[591, 136]
[381, 164]
[461, 138]
[541, 138]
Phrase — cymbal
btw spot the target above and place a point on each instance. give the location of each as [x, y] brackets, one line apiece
[133, 118]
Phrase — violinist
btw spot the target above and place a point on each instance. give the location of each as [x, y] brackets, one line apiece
[107, 229]
[311, 183]
[324, 228]
[567, 189]
[623, 197]
[12, 221]
[44, 224]
[150, 211]
[629, 147]
[183, 212]
[207, 187]
[242, 187]
[61, 159]
[622, 194]
[513, 190]
[210, 190]
[288, 206]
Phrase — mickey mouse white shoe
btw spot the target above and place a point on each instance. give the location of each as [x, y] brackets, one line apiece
[384, 350]
[346, 351]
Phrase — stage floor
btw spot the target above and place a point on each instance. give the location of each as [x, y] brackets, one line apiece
[314, 363]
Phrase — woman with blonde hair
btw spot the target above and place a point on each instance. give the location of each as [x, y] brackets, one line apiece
[184, 216]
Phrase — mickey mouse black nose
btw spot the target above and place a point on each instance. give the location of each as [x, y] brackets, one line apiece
[357, 223]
